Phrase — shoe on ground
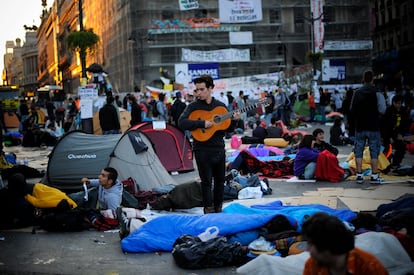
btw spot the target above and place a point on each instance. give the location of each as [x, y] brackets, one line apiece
[377, 180]
[123, 223]
[359, 179]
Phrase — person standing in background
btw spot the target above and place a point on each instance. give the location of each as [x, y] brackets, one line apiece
[177, 108]
[108, 118]
[135, 110]
[312, 106]
[161, 108]
[230, 99]
[223, 98]
[366, 107]
[324, 100]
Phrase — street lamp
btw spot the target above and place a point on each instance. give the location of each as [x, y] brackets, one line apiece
[313, 56]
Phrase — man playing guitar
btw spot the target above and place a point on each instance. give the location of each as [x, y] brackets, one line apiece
[208, 130]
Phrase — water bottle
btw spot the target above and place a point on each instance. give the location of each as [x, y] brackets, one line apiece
[263, 185]
[209, 233]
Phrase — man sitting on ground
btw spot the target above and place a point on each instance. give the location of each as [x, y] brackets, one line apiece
[273, 130]
[109, 188]
[320, 143]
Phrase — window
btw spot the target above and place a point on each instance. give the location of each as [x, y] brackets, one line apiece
[274, 15]
[167, 14]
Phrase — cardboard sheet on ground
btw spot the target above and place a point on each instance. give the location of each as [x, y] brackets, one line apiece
[296, 179]
[386, 192]
[328, 201]
[362, 204]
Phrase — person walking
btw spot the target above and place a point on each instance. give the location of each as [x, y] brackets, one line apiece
[366, 107]
[210, 154]
[108, 118]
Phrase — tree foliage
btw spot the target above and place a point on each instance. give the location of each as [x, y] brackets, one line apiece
[314, 57]
[82, 41]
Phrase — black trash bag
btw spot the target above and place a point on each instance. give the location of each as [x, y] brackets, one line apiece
[190, 252]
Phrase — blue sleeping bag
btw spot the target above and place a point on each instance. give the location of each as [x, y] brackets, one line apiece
[160, 233]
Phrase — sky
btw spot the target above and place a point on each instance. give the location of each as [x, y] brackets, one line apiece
[14, 14]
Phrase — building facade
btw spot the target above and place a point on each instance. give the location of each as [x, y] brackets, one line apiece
[393, 38]
[142, 41]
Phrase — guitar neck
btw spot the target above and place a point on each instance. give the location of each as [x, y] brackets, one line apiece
[241, 110]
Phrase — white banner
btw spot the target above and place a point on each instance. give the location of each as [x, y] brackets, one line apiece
[181, 74]
[241, 38]
[240, 11]
[318, 27]
[348, 45]
[225, 55]
[188, 4]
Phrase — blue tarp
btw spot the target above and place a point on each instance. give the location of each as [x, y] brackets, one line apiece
[160, 233]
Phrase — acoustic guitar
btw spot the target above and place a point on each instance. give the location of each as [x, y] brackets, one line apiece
[220, 117]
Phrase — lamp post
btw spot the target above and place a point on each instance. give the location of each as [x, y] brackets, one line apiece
[82, 56]
[313, 56]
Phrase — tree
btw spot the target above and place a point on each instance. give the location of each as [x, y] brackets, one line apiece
[83, 42]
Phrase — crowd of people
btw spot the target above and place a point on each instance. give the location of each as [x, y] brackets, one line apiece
[366, 120]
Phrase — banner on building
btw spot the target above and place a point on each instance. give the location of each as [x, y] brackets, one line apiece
[196, 70]
[240, 11]
[186, 73]
[224, 55]
[333, 69]
[188, 4]
[241, 38]
[348, 45]
[317, 24]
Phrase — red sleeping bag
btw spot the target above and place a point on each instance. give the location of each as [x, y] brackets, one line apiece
[327, 167]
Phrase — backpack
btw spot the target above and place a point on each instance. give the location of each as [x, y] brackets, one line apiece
[154, 109]
[66, 221]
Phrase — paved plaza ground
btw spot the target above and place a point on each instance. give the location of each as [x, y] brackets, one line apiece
[94, 252]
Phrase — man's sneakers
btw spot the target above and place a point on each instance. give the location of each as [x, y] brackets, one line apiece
[359, 179]
[375, 179]
[123, 223]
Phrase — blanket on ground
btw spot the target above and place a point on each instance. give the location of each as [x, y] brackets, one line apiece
[160, 233]
[248, 163]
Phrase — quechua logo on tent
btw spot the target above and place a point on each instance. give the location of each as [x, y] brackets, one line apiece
[83, 156]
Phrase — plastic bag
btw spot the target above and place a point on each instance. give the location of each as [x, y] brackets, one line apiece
[250, 193]
[190, 252]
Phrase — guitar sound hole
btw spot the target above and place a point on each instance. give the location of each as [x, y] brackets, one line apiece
[216, 119]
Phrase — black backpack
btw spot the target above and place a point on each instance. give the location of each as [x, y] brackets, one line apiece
[154, 108]
[62, 218]
[66, 221]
